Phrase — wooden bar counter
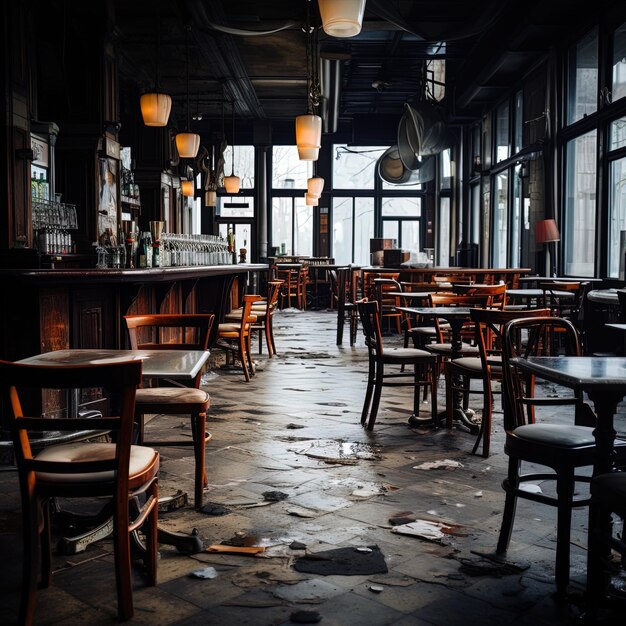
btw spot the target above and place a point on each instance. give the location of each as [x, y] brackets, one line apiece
[57, 309]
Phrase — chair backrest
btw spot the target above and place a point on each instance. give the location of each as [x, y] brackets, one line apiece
[496, 293]
[273, 289]
[188, 331]
[370, 321]
[531, 337]
[119, 380]
[451, 299]
[381, 287]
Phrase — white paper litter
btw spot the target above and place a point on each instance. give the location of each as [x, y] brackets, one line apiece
[425, 529]
[530, 488]
[442, 464]
[205, 572]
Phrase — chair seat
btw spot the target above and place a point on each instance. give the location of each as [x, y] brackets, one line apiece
[406, 355]
[474, 365]
[554, 435]
[228, 327]
[611, 487]
[235, 316]
[423, 330]
[446, 348]
[142, 460]
[171, 395]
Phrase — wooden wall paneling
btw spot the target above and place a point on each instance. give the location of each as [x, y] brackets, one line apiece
[92, 319]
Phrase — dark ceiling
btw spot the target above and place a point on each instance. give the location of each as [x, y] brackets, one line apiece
[488, 46]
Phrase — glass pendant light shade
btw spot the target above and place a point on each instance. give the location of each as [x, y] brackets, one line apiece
[232, 183]
[187, 188]
[155, 108]
[187, 145]
[315, 186]
[311, 200]
[308, 136]
[210, 198]
[342, 18]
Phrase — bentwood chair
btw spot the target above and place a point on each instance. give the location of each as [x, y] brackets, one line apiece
[84, 469]
[174, 332]
[562, 447]
[487, 367]
[387, 303]
[423, 375]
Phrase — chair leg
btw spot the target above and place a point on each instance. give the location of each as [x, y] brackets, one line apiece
[484, 432]
[30, 528]
[565, 495]
[270, 328]
[198, 428]
[121, 543]
[151, 530]
[249, 355]
[378, 387]
[417, 376]
[243, 358]
[510, 504]
[433, 394]
[46, 546]
[449, 396]
[368, 393]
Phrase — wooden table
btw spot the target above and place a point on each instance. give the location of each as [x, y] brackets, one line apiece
[531, 294]
[604, 381]
[456, 317]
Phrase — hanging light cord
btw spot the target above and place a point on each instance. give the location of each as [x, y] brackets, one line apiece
[187, 30]
[232, 167]
[313, 83]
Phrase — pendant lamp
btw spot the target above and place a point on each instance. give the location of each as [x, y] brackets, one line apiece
[187, 143]
[311, 200]
[232, 183]
[309, 125]
[187, 188]
[342, 18]
[156, 105]
[210, 197]
[315, 184]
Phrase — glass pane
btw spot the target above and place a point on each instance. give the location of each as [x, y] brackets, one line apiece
[242, 237]
[303, 231]
[363, 229]
[580, 206]
[411, 235]
[618, 134]
[355, 167]
[446, 170]
[516, 218]
[617, 215]
[500, 219]
[244, 164]
[583, 78]
[475, 214]
[408, 186]
[443, 249]
[390, 230]
[342, 230]
[235, 211]
[282, 218]
[409, 207]
[502, 132]
[519, 122]
[619, 63]
[288, 171]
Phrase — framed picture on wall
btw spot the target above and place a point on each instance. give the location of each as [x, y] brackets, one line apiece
[108, 200]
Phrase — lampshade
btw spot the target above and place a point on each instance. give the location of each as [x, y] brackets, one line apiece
[187, 188]
[155, 108]
[187, 145]
[311, 200]
[342, 18]
[308, 136]
[547, 231]
[232, 183]
[210, 198]
[315, 185]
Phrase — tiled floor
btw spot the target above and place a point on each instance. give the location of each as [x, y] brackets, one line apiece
[295, 429]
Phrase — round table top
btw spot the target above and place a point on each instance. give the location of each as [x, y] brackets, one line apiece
[603, 296]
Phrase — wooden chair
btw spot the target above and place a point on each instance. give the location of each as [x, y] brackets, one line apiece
[81, 470]
[487, 367]
[263, 310]
[234, 337]
[562, 447]
[346, 288]
[424, 365]
[294, 285]
[387, 303]
[174, 332]
[496, 294]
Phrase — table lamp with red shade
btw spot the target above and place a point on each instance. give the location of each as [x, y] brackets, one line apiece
[548, 232]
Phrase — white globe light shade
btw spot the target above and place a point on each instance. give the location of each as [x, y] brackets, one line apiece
[155, 108]
[187, 145]
[308, 136]
[342, 18]
[232, 183]
[311, 200]
[315, 186]
[187, 188]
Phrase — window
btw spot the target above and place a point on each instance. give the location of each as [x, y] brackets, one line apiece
[617, 216]
[516, 218]
[500, 220]
[443, 248]
[353, 227]
[244, 164]
[292, 225]
[401, 221]
[502, 133]
[355, 168]
[518, 134]
[619, 64]
[580, 205]
[446, 170]
[583, 78]
[288, 171]
[618, 134]
[235, 206]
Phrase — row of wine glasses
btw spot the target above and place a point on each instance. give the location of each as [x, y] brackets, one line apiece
[180, 250]
[54, 215]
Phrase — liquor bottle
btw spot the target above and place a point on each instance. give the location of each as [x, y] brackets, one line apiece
[143, 250]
